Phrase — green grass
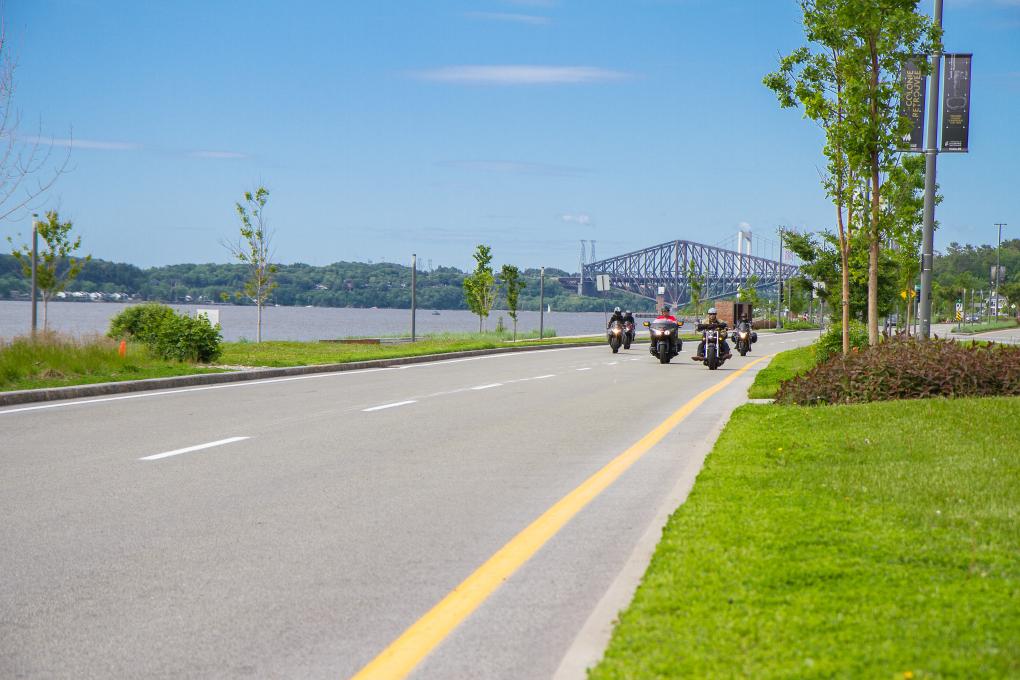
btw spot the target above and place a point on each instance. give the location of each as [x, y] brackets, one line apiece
[985, 327]
[783, 366]
[868, 541]
[280, 353]
[57, 361]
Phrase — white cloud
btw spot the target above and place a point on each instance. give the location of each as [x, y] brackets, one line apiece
[580, 218]
[81, 143]
[532, 19]
[522, 75]
[514, 167]
[744, 225]
[217, 154]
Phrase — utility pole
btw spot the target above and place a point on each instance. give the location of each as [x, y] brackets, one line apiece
[998, 246]
[35, 259]
[931, 152]
[541, 302]
[414, 285]
[779, 295]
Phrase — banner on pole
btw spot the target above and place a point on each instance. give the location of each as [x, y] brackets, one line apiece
[956, 103]
[912, 100]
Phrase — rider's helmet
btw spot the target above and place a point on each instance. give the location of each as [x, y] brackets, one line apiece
[743, 317]
[665, 309]
[712, 314]
[626, 313]
[616, 310]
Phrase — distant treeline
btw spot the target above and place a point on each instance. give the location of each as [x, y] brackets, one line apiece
[341, 284]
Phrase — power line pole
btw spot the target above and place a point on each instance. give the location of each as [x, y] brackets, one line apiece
[998, 273]
[930, 154]
[779, 295]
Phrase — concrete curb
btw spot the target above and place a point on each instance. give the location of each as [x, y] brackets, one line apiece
[102, 389]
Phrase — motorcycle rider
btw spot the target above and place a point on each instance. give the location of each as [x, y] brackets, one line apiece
[628, 316]
[617, 317]
[713, 322]
[665, 314]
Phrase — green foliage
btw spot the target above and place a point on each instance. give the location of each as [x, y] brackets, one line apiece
[866, 541]
[183, 338]
[53, 360]
[831, 343]
[254, 250]
[480, 285]
[697, 283]
[140, 322]
[514, 284]
[783, 366]
[168, 335]
[909, 368]
[55, 266]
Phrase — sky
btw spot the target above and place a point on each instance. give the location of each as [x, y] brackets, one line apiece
[383, 128]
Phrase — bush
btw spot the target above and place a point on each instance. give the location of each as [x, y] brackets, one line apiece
[140, 322]
[831, 343]
[186, 339]
[800, 325]
[908, 368]
[168, 335]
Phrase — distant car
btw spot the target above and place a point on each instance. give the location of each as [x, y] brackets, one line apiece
[973, 318]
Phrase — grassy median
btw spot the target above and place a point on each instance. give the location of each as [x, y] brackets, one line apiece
[783, 366]
[877, 540]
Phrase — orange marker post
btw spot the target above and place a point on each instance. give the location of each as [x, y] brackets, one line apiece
[122, 350]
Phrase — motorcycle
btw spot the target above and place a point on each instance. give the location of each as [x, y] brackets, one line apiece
[615, 335]
[628, 334]
[666, 342]
[742, 340]
[713, 348]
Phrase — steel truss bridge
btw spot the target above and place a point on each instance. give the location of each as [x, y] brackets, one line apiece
[667, 265]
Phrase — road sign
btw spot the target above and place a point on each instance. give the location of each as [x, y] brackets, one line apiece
[959, 308]
[602, 282]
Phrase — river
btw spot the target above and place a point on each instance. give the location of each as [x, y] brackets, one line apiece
[295, 323]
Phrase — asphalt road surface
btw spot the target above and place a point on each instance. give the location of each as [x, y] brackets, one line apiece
[296, 527]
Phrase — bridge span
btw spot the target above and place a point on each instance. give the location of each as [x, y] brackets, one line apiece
[668, 266]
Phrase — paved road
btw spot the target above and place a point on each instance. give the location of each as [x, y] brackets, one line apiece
[333, 512]
[1010, 335]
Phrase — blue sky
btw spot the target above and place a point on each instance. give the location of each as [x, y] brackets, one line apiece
[389, 127]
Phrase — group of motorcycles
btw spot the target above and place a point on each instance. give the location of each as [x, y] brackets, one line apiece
[666, 341]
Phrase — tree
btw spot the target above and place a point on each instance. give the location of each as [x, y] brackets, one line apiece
[848, 85]
[480, 285]
[749, 292]
[55, 266]
[27, 165]
[511, 276]
[697, 282]
[254, 250]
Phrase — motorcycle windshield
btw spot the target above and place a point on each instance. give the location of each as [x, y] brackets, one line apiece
[663, 325]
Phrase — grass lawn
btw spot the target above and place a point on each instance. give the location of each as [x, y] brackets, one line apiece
[55, 361]
[783, 366]
[868, 541]
[985, 327]
[280, 353]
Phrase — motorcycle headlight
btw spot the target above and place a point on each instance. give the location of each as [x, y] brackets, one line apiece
[666, 332]
[616, 331]
[743, 335]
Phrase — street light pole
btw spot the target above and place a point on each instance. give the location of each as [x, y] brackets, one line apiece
[998, 246]
[779, 295]
[930, 154]
[541, 303]
[35, 282]
[414, 287]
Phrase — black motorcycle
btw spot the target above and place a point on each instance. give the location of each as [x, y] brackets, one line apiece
[666, 342]
[713, 348]
[615, 334]
[628, 334]
[742, 340]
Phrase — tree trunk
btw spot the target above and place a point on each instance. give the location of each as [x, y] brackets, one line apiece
[515, 330]
[258, 330]
[45, 309]
[479, 323]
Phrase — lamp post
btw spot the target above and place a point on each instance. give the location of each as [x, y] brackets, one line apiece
[930, 155]
[414, 286]
[541, 303]
[998, 247]
[35, 260]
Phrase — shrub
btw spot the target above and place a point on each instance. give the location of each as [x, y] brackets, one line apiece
[186, 339]
[140, 322]
[831, 343]
[168, 335]
[799, 326]
[908, 368]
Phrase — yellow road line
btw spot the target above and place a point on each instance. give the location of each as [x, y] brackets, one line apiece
[407, 651]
